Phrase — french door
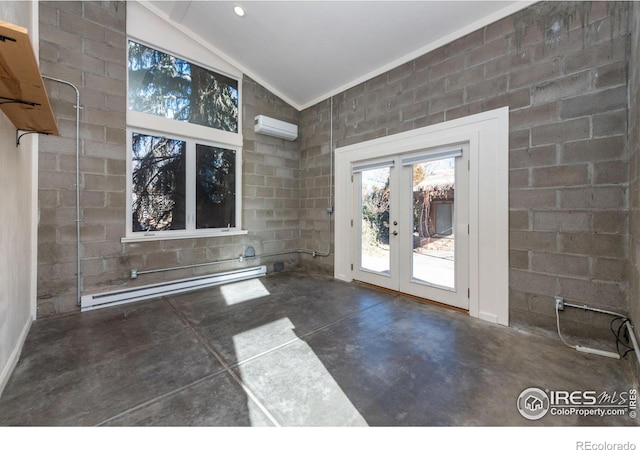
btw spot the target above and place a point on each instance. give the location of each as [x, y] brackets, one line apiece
[411, 223]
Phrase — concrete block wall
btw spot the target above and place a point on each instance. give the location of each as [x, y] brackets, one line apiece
[634, 169]
[271, 177]
[569, 196]
[316, 188]
[85, 43]
[567, 94]
[82, 43]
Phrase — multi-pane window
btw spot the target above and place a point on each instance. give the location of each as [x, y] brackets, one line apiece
[185, 161]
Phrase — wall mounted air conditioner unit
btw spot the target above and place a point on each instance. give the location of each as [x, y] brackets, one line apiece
[277, 128]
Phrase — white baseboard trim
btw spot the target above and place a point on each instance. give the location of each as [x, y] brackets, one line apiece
[11, 363]
[488, 317]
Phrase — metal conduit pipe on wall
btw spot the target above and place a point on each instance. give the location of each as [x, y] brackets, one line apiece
[315, 253]
[210, 263]
[561, 304]
[627, 323]
[77, 186]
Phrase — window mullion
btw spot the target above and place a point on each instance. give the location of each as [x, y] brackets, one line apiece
[190, 188]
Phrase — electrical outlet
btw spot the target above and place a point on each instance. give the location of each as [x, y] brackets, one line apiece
[559, 303]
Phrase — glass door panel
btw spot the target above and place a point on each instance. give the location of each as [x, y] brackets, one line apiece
[433, 250]
[434, 257]
[375, 255]
[410, 229]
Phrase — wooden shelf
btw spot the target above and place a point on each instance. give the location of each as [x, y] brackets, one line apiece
[23, 97]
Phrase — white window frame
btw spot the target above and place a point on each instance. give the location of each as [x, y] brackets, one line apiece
[190, 230]
[139, 122]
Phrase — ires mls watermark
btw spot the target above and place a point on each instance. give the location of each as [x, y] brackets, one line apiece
[534, 403]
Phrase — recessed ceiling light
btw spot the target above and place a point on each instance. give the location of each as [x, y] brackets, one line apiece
[238, 10]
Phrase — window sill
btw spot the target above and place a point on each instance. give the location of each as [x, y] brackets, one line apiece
[167, 236]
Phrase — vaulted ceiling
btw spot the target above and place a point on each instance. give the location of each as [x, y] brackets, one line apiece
[306, 51]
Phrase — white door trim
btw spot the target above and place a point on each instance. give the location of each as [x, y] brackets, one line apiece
[487, 135]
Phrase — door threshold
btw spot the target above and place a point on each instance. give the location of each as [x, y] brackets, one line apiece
[412, 297]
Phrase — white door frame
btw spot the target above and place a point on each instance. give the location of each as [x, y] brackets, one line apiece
[487, 135]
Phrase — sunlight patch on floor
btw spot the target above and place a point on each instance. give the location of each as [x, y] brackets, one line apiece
[243, 291]
[294, 386]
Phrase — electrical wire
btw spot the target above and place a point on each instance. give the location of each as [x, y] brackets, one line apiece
[617, 334]
[560, 334]
[624, 324]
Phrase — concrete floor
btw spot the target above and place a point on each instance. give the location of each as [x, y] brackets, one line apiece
[291, 349]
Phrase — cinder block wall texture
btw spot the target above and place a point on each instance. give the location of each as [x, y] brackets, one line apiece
[85, 43]
[567, 94]
[561, 67]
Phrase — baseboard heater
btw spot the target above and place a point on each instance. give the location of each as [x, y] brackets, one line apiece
[96, 301]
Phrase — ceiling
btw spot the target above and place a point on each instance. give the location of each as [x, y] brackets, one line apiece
[306, 51]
